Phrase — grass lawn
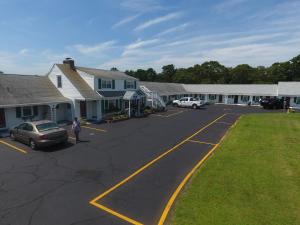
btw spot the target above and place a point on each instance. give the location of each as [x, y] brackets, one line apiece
[252, 178]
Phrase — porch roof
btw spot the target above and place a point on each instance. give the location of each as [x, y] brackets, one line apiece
[130, 95]
[112, 94]
[28, 90]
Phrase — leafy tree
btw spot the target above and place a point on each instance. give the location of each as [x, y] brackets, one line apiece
[213, 72]
[242, 74]
[114, 69]
[168, 72]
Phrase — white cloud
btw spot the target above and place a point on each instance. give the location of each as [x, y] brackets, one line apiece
[125, 21]
[173, 29]
[228, 5]
[23, 51]
[252, 47]
[141, 6]
[98, 48]
[134, 47]
[158, 20]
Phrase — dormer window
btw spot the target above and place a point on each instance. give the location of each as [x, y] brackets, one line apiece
[130, 84]
[59, 82]
[106, 84]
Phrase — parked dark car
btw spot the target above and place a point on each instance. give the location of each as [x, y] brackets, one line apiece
[39, 134]
[272, 103]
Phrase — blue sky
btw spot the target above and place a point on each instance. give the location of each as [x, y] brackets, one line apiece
[131, 34]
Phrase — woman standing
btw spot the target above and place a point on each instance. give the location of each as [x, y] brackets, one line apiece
[76, 129]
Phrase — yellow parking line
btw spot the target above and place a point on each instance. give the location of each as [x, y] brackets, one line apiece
[224, 123]
[92, 128]
[186, 178]
[94, 201]
[14, 147]
[173, 114]
[129, 220]
[201, 142]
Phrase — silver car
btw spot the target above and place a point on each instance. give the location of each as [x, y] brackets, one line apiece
[39, 134]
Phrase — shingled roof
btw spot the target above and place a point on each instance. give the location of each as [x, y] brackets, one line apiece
[233, 89]
[79, 83]
[165, 88]
[28, 90]
[289, 89]
[106, 74]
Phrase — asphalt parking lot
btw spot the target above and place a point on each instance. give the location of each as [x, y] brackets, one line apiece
[121, 173]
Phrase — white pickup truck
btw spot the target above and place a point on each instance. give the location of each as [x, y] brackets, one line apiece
[188, 102]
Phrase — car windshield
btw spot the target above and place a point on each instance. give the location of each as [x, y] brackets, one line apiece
[47, 126]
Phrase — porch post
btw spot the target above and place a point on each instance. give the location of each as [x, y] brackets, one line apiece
[206, 98]
[53, 112]
[226, 99]
[250, 99]
[129, 110]
[99, 110]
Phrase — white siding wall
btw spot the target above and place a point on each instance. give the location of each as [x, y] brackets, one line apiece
[67, 90]
[89, 79]
[12, 120]
[119, 86]
[63, 112]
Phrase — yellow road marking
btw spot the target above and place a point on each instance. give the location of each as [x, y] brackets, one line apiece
[92, 128]
[185, 180]
[14, 147]
[224, 123]
[94, 201]
[129, 220]
[201, 142]
[173, 114]
[72, 138]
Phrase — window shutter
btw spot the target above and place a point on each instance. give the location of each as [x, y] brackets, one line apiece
[113, 84]
[99, 84]
[124, 84]
[18, 112]
[35, 110]
[135, 84]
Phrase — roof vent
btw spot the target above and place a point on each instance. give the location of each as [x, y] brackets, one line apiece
[70, 62]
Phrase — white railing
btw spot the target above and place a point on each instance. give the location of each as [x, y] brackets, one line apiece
[153, 98]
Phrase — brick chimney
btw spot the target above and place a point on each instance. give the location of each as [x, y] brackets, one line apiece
[70, 62]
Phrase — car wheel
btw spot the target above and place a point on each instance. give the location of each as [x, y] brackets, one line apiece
[194, 106]
[65, 142]
[12, 136]
[32, 145]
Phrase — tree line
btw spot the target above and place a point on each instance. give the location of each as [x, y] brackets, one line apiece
[213, 72]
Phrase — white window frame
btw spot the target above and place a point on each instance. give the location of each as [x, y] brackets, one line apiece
[245, 98]
[202, 97]
[31, 111]
[297, 100]
[106, 84]
[130, 84]
[255, 99]
[212, 97]
[59, 78]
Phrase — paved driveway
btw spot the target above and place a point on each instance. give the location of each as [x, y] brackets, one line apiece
[122, 173]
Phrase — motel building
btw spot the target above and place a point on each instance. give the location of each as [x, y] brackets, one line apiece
[66, 92]
[69, 91]
[232, 94]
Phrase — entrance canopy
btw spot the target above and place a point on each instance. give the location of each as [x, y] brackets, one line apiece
[133, 95]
